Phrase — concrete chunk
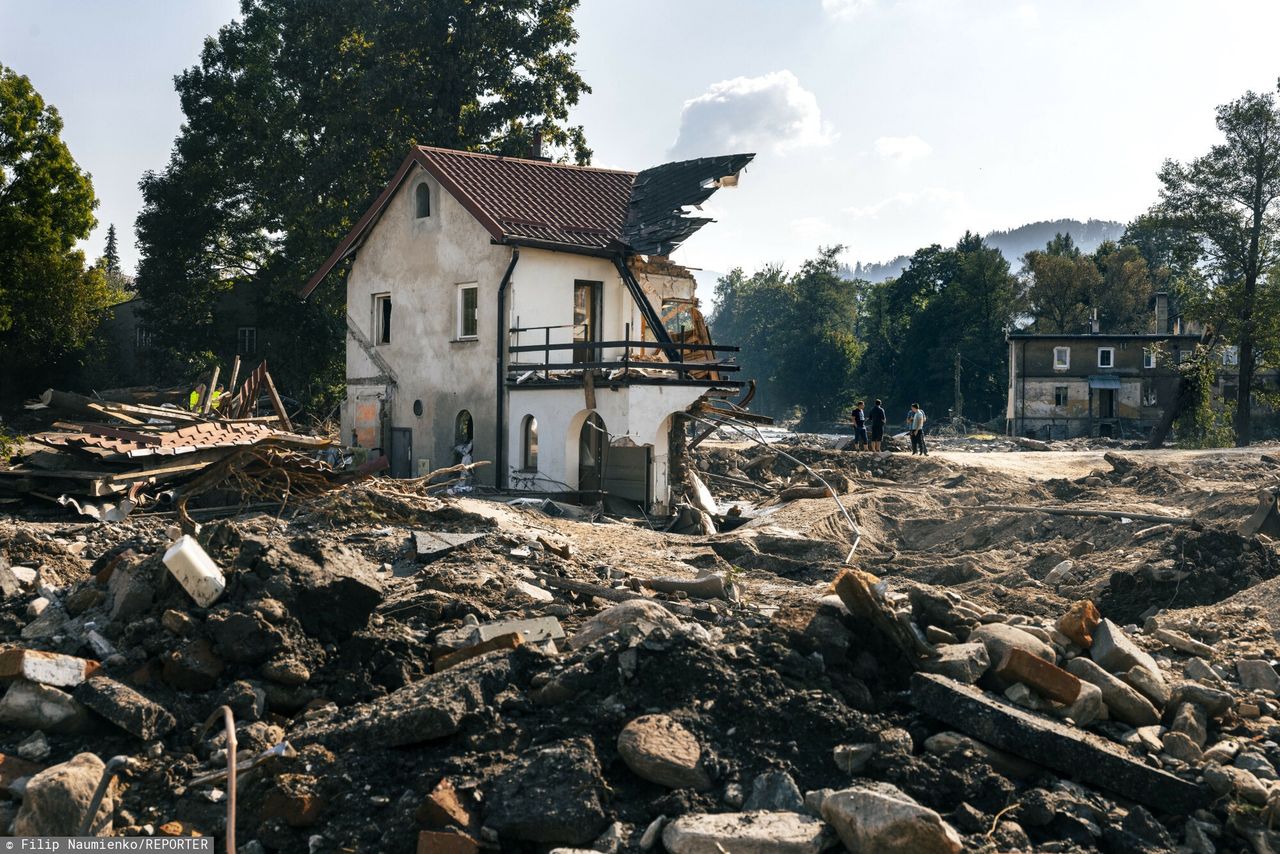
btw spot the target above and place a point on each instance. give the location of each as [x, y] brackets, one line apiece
[1124, 703]
[746, 833]
[47, 668]
[880, 817]
[433, 545]
[27, 705]
[965, 662]
[1065, 749]
[1256, 674]
[1116, 651]
[125, 708]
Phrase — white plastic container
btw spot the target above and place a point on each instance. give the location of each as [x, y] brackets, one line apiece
[195, 571]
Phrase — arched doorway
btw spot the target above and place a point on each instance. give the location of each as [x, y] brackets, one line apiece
[463, 433]
[591, 449]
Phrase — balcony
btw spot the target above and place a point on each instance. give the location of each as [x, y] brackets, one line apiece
[557, 356]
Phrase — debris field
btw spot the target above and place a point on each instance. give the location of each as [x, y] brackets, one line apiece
[1028, 650]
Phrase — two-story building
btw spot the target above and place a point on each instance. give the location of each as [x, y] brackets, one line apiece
[1065, 385]
[524, 312]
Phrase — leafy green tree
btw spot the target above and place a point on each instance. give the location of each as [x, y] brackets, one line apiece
[1065, 288]
[296, 116]
[796, 335]
[49, 302]
[1227, 203]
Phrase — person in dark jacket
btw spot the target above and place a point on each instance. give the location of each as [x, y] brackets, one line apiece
[860, 426]
[877, 419]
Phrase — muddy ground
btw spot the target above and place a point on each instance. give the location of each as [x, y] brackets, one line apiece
[329, 627]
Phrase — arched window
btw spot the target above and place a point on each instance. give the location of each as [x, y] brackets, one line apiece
[422, 201]
[530, 443]
[463, 431]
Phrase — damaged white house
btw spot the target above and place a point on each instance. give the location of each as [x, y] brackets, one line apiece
[524, 312]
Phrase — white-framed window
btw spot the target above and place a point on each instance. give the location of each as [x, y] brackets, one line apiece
[468, 311]
[382, 318]
[1230, 355]
[422, 201]
[1149, 357]
[1106, 357]
[1060, 395]
[246, 340]
[530, 442]
[1149, 395]
[1061, 358]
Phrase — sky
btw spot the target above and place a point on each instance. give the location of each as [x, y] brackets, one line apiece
[880, 125]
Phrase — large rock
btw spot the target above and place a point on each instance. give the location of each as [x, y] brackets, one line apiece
[1256, 674]
[773, 791]
[552, 796]
[27, 705]
[1116, 651]
[57, 798]
[999, 638]
[963, 661]
[1124, 703]
[331, 589]
[244, 637]
[662, 751]
[879, 817]
[746, 833]
[125, 708]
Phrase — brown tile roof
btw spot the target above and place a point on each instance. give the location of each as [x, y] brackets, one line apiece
[573, 206]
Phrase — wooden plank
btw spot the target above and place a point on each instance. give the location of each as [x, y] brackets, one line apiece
[207, 402]
[275, 399]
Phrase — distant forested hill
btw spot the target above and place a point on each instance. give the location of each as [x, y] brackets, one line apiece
[1013, 244]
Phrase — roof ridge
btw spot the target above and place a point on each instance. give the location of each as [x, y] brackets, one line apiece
[480, 155]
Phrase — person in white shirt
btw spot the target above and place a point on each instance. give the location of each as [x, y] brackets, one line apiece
[915, 423]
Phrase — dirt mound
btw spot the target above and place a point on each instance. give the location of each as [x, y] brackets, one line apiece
[1199, 568]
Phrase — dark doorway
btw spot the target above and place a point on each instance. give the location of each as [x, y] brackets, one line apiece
[591, 450]
[586, 318]
[1106, 403]
[401, 452]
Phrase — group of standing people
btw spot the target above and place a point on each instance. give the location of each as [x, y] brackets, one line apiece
[868, 427]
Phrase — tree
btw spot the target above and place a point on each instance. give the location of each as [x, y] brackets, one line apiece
[111, 255]
[296, 116]
[796, 335]
[1066, 289]
[49, 302]
[1228, 203]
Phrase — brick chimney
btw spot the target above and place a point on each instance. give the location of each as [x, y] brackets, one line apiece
[1162, 312]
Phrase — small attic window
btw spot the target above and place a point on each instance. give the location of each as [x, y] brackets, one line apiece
[422, 201]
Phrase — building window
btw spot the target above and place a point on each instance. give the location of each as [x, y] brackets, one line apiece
[246, 340]
[1061, 358]
[1149, 357]
[530, 432]
[422, 201]
[1230, 355]
[468, 311]
[141, 339]
[1106, 357]
[1060, 395]
[382, 319]
[1149, 396]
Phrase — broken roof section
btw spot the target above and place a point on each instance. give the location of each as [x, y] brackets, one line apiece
[558, 206]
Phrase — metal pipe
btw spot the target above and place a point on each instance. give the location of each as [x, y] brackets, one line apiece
[229, 726]
[499, 345]
[108, 774]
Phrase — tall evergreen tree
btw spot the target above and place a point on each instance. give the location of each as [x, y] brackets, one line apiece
[111, 255]
[296, 116]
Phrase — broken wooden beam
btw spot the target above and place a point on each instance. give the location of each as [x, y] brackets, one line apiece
[1066, 749]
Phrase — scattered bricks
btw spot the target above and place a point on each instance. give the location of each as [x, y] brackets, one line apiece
[1079, 622]
[193, 667]
[446, 660]
[125, 708]
[1065, 749]
[965, 662]
[1124, 703]
[1183, 643]
[1047, 679]
[660, 750]
[27, 705]
[1256, 674]
[442, 808]
[47, 668]
[1116, 651]
[13, 769]
[446, 842]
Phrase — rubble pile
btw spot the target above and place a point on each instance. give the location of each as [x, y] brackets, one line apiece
[422, 672]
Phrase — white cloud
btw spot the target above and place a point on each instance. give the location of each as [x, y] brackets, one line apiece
[814, 231]
[933, 198]
[772, 111]
[903, 149]
[1027, 15]
[844, 9]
